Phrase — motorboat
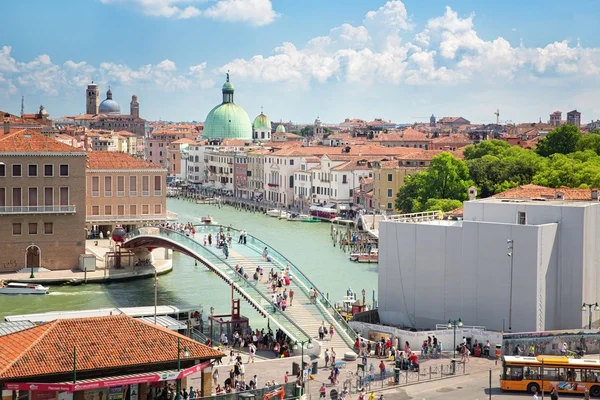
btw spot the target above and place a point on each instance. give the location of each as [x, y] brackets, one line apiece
[22, 288]
[308, 218]
[296, 217]
[208, 220]
[370, 258]
[277, 213]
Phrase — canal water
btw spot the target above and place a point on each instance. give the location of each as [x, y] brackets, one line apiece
[307, 245]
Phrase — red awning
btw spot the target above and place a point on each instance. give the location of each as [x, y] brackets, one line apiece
[100, 383]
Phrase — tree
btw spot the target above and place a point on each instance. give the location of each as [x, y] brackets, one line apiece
[579, 169]
[589, 142]
[486, 147]
[446, 178]
[443, 205]
[306, 131]
[562, 140]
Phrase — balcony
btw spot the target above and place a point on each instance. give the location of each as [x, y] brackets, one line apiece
[16, 210]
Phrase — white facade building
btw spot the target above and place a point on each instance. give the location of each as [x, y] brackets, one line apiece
[337, 176]
[303, 182]
[196, 172]
[431, 272]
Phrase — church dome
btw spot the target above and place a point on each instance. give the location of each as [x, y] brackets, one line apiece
[262, 123]
[109, 106]
[280, 128]
[227, 120]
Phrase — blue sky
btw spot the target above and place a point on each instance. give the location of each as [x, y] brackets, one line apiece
[395, 60]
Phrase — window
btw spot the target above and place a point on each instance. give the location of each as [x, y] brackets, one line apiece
[17, 228]
[48, 196]
[32, 170]
[150, 150]
[145, 209]
[344, 179]
[16, 197]
[157, 185]
[48, 170]
[389, 206]
[95, 210]
[522, 218]
[2, 170]
[95, 186]
[16, 170]
[63, 170]
[107, 210]
[120, 186]
[48, 228]
[132, 209]
[63, 196]
[390, 178]
[291, 162]
[108, 186]
[33, 228]
[133, 186]
[390, 194]
[121, 209]
[32, 196]
[145, 186]
[2, 197]
[157, 209]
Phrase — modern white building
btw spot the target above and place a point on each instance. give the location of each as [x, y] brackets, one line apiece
[196, 172]
[431, 272]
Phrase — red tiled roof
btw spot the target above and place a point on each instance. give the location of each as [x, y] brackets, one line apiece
[30, 141]
[427, 155]
[115, 160]
[102, 342]
[536, 192]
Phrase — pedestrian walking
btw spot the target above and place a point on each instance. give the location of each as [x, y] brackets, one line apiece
[326, 357]
[330, 332]
[323, 391]
[291, 297]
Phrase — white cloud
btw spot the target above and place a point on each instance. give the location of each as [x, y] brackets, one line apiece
[7, 63]
[253, 12]
[166, 65]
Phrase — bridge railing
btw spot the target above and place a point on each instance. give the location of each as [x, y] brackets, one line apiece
[305, 284]
[286, 325]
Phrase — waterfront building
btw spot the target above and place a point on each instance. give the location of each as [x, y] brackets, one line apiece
[261, 128]
[574, 118]
[256, 172]
[363, 194]
[113, 357]
[227, 120]
[177, 155]
[123, 190]
[196, 171]
[240, 175]
[219, 156]
[303, 182]
[430, 272]
[388, 178]
[42, 202]
[158, 142]
[335, 178]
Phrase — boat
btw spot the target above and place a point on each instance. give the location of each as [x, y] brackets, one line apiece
[22, 288]
[277, 213]
[208, 220]
[370, 258]
[327, 212]
[310, 219]
[296, 217]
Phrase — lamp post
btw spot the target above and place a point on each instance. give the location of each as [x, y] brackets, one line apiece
[155, 293]
[74, 364]
[308, 344]
[186, 353]
[453, 324]
[510, 253]
[589, 307]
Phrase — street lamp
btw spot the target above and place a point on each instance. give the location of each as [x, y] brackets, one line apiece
[589, 308]
[309, 345]
[510, 253]
[155, 293]
[186, 353]
[454, 324]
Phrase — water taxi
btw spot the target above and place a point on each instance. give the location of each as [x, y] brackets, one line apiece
[277, 213]
[208, 220]
[370, 258]
[22, 288]
[308, 218]
[296, 217]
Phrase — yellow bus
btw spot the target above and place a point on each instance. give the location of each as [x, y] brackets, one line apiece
[567, 375]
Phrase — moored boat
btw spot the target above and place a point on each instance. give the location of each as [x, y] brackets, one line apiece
[371, 258]
[22, 288]
[296, 217]
[277, 213]
[310, 219]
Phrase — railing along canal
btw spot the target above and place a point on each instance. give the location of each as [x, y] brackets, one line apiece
[209, 256]
[303, 282]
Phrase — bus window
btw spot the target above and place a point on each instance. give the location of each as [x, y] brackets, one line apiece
[532, 373]
[515, 373]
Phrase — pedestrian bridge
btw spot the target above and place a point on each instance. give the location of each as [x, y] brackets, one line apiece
[300, 321]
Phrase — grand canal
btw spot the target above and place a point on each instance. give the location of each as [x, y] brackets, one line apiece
[306, 245]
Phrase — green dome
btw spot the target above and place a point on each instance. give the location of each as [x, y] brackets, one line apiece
[262, 123]
[280, 128]
[227, 121]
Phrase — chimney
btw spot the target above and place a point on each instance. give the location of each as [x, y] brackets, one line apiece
[595, 194]
[559, 195]
[472, 193]
[6, 126]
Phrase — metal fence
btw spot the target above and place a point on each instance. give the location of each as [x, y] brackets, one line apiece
[290, 393]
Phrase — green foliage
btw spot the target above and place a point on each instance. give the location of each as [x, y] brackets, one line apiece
[562, 140]
[443, 205]
[579, 169]
[446, 178]
[307, 131]
[487, 147]
[589, 142]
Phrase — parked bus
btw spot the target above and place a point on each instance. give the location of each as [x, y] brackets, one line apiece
[567, 375]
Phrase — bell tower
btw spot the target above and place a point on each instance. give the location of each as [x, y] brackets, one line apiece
[92, 99]
[134, 107]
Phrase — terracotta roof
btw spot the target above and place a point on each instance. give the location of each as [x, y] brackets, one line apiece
[115, 160]
[184, 141]
[427, 155]
[537, 192]
[407, 135]
[458, 138]
[16, 120]
[102, 342]
[361, 150]
[30, 141]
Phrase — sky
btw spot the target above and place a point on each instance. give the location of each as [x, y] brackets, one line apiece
[302, 59]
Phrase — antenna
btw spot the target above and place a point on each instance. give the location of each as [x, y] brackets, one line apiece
[22, 106]
[497, 114]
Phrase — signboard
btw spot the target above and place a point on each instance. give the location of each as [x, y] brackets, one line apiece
[115, 393]
[108, 383]
[43, 395]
